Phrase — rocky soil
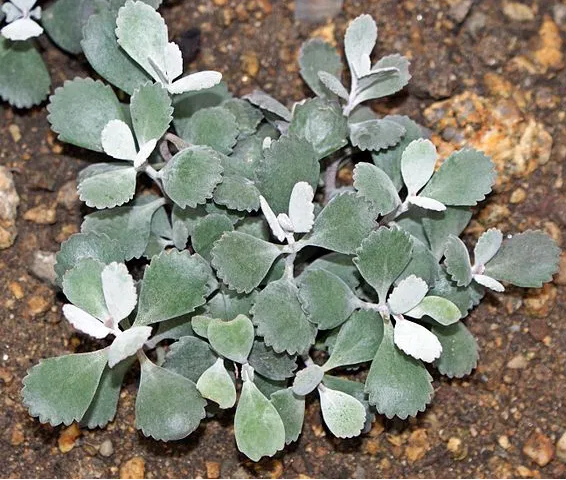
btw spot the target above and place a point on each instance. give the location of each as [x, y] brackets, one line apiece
[488, 73]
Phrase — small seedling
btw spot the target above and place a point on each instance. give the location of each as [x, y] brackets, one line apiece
[259, 282]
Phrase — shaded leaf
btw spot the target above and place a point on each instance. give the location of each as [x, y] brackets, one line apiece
[318, 56]
[266, 102]
[374, 185]
[207, 231]
[215, 127]
[457, 261]
[189, 357]
[440, 225]
[487, 246]
[232, 339]
[376, 134]
[459, 350]
[268, 363]
[291, 409]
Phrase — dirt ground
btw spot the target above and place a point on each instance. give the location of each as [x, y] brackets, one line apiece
[485, 72]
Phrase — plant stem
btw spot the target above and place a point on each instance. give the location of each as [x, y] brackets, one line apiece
[165, 152]
[179, 143]
[330, 175]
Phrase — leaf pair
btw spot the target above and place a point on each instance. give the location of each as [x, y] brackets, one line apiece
[142, 33]
[102, 296]
[19, 17]
[527, 260]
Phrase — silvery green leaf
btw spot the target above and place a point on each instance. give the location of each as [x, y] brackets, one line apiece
[172, 329]
[60, 390]
[115, 5]
[457, 261]
[200, 325]
[216, 384]
[207, 231]
[258, 427]
[127, 343]
[333, 84]
[118, 140]
[24, 79]
[233, 339]
[288, 161]
[344, 415]
[272, 365]
[227, 304]
[440, 225]
[189, 217]
[86, 245]
[280, 320]
[84, 322]
[417, 164]
[266, 102]
[80, 109]
[272, 220]
[108, 59]
[151, 111]
[107, 185]
[195, 82]
[465, 298]
[527, 259]
[487, 246]
[340, 265]
[321, 123]
[342, 224]
[180, 235]
[409, 385]
[64, 21]
[459, 350]
[119, 290]
[359, 42]
[451, 184]
[386, 84]
[301, 207]
[175, 418]
[376, 134]
[267, 386]
[161, 224]
[422, 264]
[412, 222]
[357, 340]
[142, 33]
[307, 379]
[242, 261]
[103, 406]
[82, 285]
[416, 341]
[390, 160]
[427, 203]
[318, 56]
[326, 299]
[214, 127]
[440, 309]
[189, 357]
[489, 282]
[190, 177]
[408, 293]
[374, 185]
[237, 193]
[188, 103]
[129, 225]
[291, 409]
[159, 299]
[249, 117]
[382, 257]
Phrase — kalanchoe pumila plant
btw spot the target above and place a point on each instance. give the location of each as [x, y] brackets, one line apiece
[254, 281]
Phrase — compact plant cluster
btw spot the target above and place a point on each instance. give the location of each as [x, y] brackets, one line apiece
[253, 272]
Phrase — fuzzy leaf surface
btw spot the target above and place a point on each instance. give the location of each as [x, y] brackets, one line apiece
[344, 415]
[60, 390]
[267, 102]
[457, 260]
[189, 357]
[318, 56]
[359, 42]
[374, 185]
[175, 418]
[127, 343]
[307, 379]
[107, 185]
[216, 384]
[459, 350]
[151, 111]
[440, 225]
[159, 299]
[215, 127]
[272, 365]
[440, 309]
[291, 409]
[280, 320]
[232, 339]
[209, 230]
[376, 134]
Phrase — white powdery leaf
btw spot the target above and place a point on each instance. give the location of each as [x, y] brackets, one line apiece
[12, 12]
[333, 84]
[127, 343]
[173, 61]
[407, 295]
[119, 291]
[22, 29]
[85, 322]
[428, 203]
[416, 341]
[344, 415]
[118, 140]
[301, 207]
[24, 5]
[145, 151]
[285, 222]
[195, 81]
[359, 41]
[489, 282]
[417, 164]
[271, 219]
[488, 245]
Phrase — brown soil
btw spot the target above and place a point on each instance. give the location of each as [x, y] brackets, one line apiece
[476, 427]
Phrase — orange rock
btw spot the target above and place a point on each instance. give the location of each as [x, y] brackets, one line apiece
[539, 448]
[133, 468]
[212, 470]
[68, 437]
[418, 445]
[17, 435]
[549, 55]
[541, 301]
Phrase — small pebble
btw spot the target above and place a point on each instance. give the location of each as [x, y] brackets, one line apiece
[68, 437]
[517, 363]
[561, 448]
[518, 196]
[106, 448]
[539, 448]
[42, 215]
[133, 468]
[518, 12]
[15, 132]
